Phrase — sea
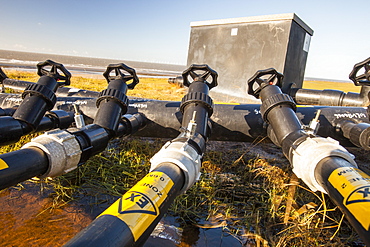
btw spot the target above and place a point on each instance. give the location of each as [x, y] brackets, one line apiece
[28, 60]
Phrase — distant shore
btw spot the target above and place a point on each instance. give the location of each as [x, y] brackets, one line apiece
[28, 61]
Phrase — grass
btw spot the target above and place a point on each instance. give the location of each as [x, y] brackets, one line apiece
[341, 86]
[152, 88]
[258, 199]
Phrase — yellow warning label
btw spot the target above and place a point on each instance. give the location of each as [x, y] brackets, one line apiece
[139, 206]
[354, 185]
[3, 165]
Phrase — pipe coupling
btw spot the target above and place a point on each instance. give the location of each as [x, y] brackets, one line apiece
[310, 152]
[184, 156]
[62, 149]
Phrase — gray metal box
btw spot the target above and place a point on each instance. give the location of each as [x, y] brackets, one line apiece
[236, 48]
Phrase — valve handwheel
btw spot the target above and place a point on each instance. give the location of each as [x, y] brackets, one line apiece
[275, 78]
[193, 72]
[63, 78]
[119, 70]
[363, 79]
[2, 75]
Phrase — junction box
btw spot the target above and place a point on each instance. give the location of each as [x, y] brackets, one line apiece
[236, 48]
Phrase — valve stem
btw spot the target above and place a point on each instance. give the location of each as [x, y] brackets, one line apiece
[314, 125]
[79, 120]
[192, 125]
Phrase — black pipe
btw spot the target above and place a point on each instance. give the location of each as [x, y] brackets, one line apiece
[197, 101]
[176, 167]
[330, 97]
[37, 99]
[40, 97]
[321, 163]
[12, 130]
[283, 118]
[8, 111]
[335, 97]
[357, 133]
[3, 76]
[65, 150]
[37, 157]
[20, 165]
[349, 188]
[19, 85]
[113, 102]
[176, 81]
[230, 122]
[132, 218]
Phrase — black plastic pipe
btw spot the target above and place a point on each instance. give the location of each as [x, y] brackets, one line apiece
[133, 217]
[65, 150]
[19, 85]
[113, 102]
[31, 160]
[230, 122]
[20, 165]
[40, 97]
[326, 97]
[196, 101]
[321, 163]
[357, 133]
[37, 99]
[12, 130]
[178, 80]
[7, 111]
[349, 188]
[330, 97]
[335, 97]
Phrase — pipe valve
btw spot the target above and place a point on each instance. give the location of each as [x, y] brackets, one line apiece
[363, 79]
[257, 82]
[63, 78]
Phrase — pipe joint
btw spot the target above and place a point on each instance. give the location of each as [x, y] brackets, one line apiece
[183, 155]
[113, 94]
[43, 92]
[62, 149]
[307, 155]
[197, 98]
[275, 100]
[357, 133]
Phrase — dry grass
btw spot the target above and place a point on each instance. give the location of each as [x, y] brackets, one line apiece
[341, 86]
[256, 198]
[151, 88]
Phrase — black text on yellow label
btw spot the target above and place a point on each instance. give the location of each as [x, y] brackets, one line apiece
[136, 202]
[139, 206]
[354, 185]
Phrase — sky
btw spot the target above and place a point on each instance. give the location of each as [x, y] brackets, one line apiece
[159, 31]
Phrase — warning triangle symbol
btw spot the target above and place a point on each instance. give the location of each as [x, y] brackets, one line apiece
[136, 202]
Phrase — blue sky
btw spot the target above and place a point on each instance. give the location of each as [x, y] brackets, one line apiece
[158, 31]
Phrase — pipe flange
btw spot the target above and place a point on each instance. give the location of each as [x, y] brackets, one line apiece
[198, 98]
[43, 92]
[62, 149]
[113, 94]
[274, 100]
[310, 152]
[182, 155]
